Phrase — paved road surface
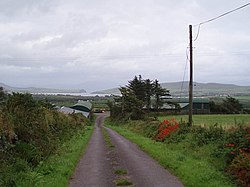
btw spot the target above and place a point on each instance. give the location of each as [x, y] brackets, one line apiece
[96, 168]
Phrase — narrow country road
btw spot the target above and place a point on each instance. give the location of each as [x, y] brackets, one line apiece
[96, 168]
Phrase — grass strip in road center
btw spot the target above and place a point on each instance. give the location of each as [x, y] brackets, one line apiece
[123, 182]
[122, 174]
[107, 138]
[191, 170]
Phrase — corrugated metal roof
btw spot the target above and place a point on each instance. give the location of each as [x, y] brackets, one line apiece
[67, 110]
[85, 106]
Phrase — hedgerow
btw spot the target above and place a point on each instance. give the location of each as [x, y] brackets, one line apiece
[30, 131]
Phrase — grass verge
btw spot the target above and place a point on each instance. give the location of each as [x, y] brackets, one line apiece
[193, 167]
[57, 170]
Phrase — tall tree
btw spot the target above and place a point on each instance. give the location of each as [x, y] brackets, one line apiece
[159, 92]
[137, 86]
[135, 96]
[148, 93]
[130, 104]
[231, 105]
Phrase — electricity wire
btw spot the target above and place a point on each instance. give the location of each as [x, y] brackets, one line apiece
[217, 17]
[79, 58]
[184, 74]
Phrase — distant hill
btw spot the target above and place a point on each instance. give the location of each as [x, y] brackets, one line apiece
[114, 91]
[39, 90]
[200, 89]
[206, 89]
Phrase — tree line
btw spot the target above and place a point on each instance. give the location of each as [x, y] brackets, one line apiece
[138, 97]
[229, 105]
[141, 96]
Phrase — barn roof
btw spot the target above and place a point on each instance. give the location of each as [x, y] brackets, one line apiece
[67, 110]
[85, 106]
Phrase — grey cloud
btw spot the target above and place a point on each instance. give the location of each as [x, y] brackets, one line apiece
[21, 8]
[101, 44]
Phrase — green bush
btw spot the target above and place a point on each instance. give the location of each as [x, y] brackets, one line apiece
[236, 141]
[203, 135]
[150, 129]
[147, 128]
[30, 131]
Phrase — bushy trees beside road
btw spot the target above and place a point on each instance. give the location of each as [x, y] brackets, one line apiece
[30, 131]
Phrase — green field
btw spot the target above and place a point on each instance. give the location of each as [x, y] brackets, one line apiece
[223, 120]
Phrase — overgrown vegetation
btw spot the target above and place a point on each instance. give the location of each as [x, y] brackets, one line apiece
[30, 133]
[59, 167]
[222, 156]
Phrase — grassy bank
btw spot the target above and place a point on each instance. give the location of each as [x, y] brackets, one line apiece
[58, 168]
[192, 164]
[224, 120]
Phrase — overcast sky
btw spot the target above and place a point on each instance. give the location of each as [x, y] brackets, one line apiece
[99, 44]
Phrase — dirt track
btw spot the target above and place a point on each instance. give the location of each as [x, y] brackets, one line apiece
[99, 162]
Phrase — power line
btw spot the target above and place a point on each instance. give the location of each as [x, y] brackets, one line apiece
[217, 17]
[198, 33]
[184, 74]
[112, 57]
[229, 12]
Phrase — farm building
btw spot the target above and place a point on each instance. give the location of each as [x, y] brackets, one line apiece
[200, 105]
[83, 107]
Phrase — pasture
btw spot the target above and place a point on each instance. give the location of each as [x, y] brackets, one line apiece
[224, 120]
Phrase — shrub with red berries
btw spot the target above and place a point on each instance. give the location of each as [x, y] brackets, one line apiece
[166, 128]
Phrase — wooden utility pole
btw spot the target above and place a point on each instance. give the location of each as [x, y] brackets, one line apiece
[190, 119]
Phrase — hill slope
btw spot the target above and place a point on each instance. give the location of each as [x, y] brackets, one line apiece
[207, 89]
[39, 90]
[200, 89]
